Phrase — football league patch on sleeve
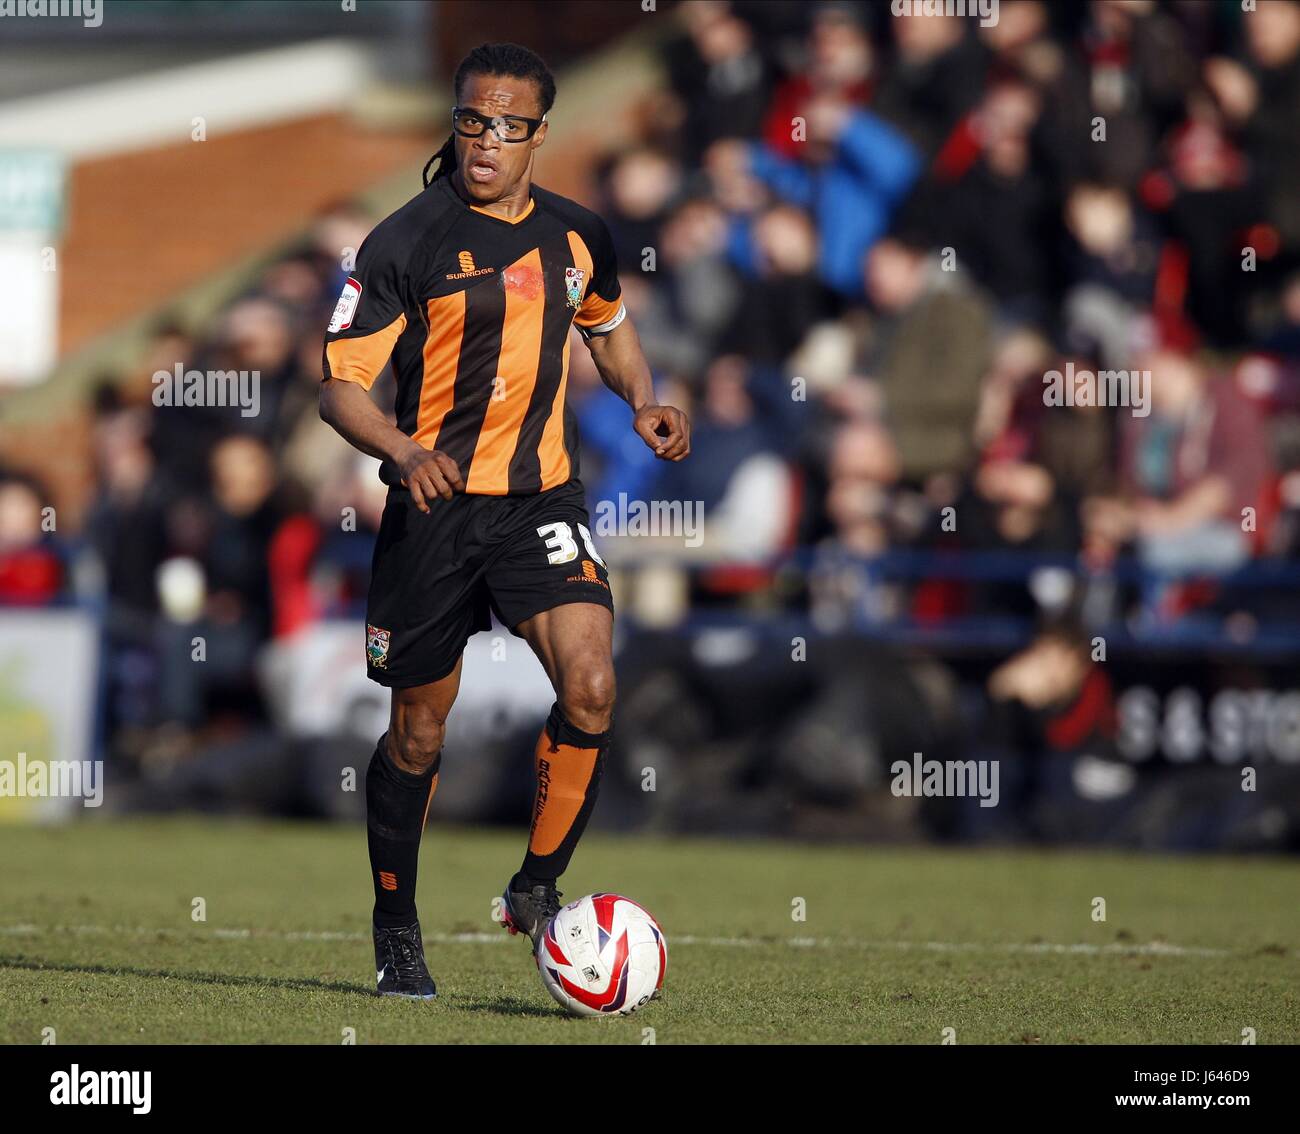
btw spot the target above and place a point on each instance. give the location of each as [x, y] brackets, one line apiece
[346, 307]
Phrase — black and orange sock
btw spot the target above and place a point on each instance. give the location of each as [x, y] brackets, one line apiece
[397, 804]
[569, 765]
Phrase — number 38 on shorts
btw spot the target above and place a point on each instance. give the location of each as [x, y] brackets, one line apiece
[561, 546]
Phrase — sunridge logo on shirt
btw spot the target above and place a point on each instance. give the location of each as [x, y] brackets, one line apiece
[467, 268]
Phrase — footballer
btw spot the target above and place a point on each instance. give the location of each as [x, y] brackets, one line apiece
[471, 289]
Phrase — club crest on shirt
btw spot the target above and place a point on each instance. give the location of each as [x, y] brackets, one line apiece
[377, 643]
[573, 278]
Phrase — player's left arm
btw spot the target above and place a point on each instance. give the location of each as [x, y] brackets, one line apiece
[616, 350]
[623, 368]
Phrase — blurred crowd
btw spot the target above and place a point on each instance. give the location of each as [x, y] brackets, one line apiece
[209, 530]
[853, 244]
[874, 236]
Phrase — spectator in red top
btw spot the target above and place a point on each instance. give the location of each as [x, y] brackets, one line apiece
[840, 67]
[1188, 471]
[30, 573]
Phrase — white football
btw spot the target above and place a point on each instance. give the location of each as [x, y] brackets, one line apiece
[602, 955]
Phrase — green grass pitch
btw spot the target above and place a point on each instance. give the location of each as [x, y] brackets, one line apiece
[97, 941]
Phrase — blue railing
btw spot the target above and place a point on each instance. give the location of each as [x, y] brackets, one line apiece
[1254, 582]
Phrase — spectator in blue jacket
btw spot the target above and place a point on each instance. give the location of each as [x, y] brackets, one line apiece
[857, 168]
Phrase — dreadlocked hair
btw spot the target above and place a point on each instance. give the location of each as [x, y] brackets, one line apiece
[506, 59]
[446, 159]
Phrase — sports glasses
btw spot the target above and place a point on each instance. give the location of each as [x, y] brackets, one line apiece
[507, 127]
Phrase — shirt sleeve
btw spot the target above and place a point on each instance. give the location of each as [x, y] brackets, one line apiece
[602, 308]
[369, 316]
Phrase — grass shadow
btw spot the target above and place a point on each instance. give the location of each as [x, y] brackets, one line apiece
[301, 984]
[511, 1006]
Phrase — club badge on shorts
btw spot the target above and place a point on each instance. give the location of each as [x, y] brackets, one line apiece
[377, 643]
[573, 278]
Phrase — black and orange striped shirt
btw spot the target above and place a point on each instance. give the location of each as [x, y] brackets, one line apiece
[475, 311]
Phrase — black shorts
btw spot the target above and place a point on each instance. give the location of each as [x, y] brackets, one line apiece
[437, 578]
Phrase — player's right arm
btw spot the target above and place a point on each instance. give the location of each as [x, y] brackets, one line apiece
[368, 320]
[426, 473]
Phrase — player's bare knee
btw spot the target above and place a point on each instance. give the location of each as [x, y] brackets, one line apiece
[587, 700]
[415, 739]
